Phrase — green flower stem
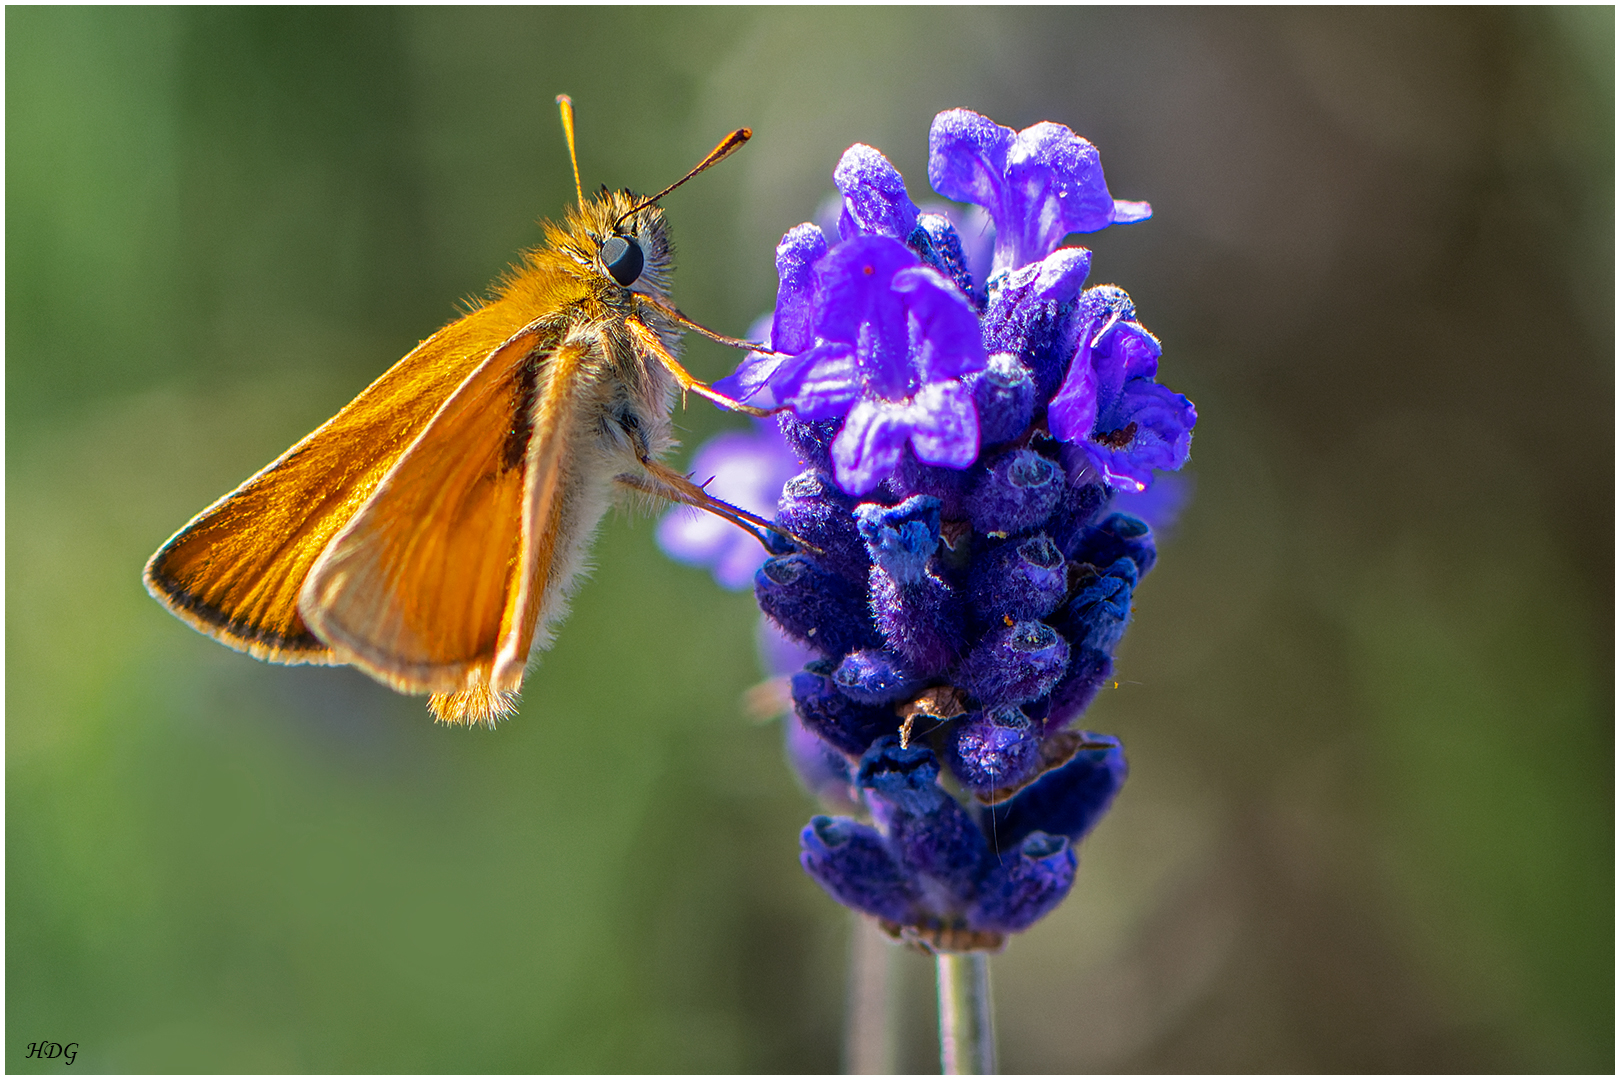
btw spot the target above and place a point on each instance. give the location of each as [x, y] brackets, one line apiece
[967, 1035]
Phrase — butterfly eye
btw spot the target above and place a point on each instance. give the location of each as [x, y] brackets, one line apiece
[622, 257]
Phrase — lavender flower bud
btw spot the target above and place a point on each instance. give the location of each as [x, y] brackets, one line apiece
[918, 613]
[837, 718]
[1004, 394]
[1018, 491]
[1118, 536]
[852, 863]
[1068, 524]
[950, 486]
[822, 610]
[874, 677]
[901, 539]
[1070, 799]
[1020, 579]
[1088, 671]
[1031, 316]
[816, 509]
[1103, 305]
[1029, 886]
[936, 243]
[1014, 664]
[810, 440]
[927, 828]
[875, 199]
[993, 749]
[921, 622]
[1095, 618]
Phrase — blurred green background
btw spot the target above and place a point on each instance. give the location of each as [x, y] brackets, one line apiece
[1368, 696]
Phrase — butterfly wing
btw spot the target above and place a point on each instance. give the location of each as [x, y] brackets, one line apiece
[235, 571]
[444, 569]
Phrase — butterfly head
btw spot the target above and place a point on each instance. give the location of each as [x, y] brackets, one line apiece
[627, 244]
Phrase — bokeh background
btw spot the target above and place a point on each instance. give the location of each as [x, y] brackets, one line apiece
[1367, 698]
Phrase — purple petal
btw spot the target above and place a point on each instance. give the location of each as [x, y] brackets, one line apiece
[1149, 428]
[940, 423]
[1039, 184]
[1054, 187]
[856, 304]
[1073, 410]
[944, 425]
[751, 381]
[1049, 161]
[868, 448]
[1120, 353]
[967, 157]
[796, 257]
[1126, 211]
[1138, 350]
[1060, 275]
[854, 286]
[949, 342]
[820, 384]
[875, 199]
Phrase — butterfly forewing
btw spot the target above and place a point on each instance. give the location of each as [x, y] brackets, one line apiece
[235, 572]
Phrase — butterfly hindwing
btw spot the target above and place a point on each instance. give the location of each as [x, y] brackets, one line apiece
[435, 574]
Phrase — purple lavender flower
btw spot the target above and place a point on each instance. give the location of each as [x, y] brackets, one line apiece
[1127, 424]
[891, 336]
[964, 578]
[1039, 184]
[875, 337]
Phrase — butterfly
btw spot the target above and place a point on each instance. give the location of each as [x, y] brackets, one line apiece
[431, 532]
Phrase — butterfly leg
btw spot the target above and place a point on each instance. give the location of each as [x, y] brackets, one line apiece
[649, 341]
[665, 483]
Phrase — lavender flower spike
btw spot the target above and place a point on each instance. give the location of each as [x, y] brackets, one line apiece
[1039, 184]
[963, 602]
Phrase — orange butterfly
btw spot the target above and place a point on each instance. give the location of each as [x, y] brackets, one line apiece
[431, 532]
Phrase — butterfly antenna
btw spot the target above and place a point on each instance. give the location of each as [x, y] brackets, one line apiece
[566, 104]
[727, 147]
